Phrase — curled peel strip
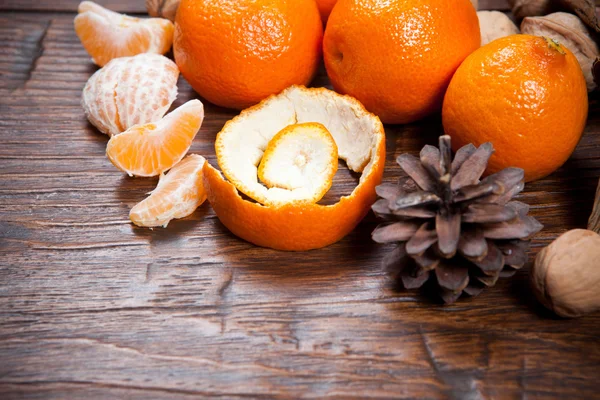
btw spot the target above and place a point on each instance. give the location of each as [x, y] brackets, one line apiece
[294, 225]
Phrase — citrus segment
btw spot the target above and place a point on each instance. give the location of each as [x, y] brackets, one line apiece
[177, 195]
[106, 35]
[130, 91]
[299, 164]
[151, 149]
[98, 99]
[513, 92]
[296, 225]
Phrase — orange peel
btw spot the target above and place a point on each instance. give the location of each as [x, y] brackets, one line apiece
[151, 149]
[106, 35]
[299, 163]
[177, 195]
[295, 225]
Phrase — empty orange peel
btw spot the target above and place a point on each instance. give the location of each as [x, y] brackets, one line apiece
[294, 225]
[151, 149]
[106, 35]
[299, 163]
[129, 91]
[177, 195]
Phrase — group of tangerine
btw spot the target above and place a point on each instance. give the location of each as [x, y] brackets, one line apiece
[401, 60]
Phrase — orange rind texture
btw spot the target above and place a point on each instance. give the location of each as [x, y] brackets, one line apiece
[524, 94]
[397, 56]
[107, 35]
[177, 195]
[151, 149]
[297, 226]
[302, 159]
[236, 53]
[130, 91]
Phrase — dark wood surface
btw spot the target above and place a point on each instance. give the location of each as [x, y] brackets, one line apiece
[93, 307]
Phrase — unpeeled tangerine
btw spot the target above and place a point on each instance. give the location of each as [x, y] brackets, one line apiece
[299, 164]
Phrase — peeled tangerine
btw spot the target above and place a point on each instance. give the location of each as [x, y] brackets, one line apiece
[274, 139]
[151, 149]
[129, 91]
[299, 163]
[177, 195]
[107, 35]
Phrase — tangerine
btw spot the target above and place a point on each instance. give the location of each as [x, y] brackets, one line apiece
[236, 53]
[525, 94]
[397, 56]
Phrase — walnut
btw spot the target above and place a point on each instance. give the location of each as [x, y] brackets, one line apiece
[162, 8]
[528, 8]
[494, 25]
[571, 32]
[566, 275]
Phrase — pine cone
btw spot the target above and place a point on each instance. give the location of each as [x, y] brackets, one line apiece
[451, 226]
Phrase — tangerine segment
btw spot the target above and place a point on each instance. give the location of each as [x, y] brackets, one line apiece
[151, 149]
[296, 225]
[177, 195]
[299, 163]
[106, 35]
[129, 91]
[98, 99]
[242, 141]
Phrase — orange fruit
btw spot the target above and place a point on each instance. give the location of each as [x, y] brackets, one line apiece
[296, 224]
[107, 35]
[325, 7]
[236, 53]
[151, 149]
[177, 195]
[397, 56]
[129, 91]
[302, 158]
[525, 94]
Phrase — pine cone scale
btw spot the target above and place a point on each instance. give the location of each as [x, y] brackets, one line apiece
[473, 167]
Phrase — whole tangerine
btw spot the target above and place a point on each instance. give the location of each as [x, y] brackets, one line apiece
[236, 53]
[397, 56]
[525, 94]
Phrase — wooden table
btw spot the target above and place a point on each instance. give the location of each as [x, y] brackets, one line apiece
[93, 307]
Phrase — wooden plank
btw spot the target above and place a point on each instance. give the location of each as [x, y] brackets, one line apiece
[92, 306]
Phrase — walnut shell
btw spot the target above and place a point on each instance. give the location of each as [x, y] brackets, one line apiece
[162, 8]
[566, 275]
[494, 25]
[529, 8]
[570, 31]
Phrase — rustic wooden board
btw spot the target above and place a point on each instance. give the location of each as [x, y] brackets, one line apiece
[91, 306]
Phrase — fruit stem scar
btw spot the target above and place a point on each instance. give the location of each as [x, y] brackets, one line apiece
[553, 44]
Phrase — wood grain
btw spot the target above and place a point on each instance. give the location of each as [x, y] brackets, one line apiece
[93, 307]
